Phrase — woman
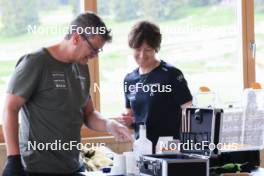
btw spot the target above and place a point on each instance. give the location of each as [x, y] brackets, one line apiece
[156, 91]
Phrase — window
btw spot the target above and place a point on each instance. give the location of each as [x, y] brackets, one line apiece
[190, 28]
[199, 37]
[28, 25]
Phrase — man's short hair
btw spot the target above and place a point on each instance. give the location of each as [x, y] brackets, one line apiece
[145, 31]
[88, 24]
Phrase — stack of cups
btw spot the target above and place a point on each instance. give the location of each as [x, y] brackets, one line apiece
[131, 164]
[125, 164]
[119, 165]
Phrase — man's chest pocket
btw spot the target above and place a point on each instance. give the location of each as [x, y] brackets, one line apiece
[60, 93]
[52, 98]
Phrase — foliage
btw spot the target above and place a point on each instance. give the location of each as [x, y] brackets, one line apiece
[16, 16]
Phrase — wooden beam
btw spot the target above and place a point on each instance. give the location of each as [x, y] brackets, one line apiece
[2, 140]
[248, 36]
[91, 5]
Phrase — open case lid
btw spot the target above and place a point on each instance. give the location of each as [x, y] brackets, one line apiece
[200, 130]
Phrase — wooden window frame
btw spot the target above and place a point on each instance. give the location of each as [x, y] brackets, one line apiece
[246, 12]
[93, 65]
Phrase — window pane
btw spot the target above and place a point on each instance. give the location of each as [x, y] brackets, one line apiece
[28, 25]
[259, 37]
[200, 37]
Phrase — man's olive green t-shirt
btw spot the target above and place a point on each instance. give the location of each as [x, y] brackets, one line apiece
[56, 94]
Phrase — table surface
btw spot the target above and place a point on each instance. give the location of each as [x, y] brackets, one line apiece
[259, 172]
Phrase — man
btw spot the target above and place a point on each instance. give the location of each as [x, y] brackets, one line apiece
[51, 87]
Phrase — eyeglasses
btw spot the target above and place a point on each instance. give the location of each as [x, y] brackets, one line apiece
[95, 50]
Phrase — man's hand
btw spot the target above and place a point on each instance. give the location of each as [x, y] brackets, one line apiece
[14, 166]
[119, 131]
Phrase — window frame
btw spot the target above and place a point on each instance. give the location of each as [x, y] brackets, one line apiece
[93, 65]
[246, 12]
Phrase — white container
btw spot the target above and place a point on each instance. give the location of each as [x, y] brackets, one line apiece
[142, 146]
[131, 163]
[253, 118]
[205, 99]
[162, 143]
[119, 165]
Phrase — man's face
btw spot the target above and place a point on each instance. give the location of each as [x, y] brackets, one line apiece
[88, 48]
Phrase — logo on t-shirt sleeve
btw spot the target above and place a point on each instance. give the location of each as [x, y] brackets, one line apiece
[180, 78]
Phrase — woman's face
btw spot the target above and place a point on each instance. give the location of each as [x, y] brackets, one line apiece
[144, 55]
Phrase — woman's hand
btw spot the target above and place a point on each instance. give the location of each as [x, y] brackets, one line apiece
[127, 118]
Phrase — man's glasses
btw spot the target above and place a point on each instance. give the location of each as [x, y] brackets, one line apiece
[95, 50]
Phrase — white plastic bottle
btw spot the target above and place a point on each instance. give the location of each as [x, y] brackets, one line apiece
[142, 146]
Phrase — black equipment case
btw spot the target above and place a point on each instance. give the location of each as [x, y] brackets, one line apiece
[198, 126]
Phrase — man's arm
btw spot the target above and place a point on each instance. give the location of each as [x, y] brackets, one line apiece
[93, 119]
[13, 166]
[96, 121]
[10, 123]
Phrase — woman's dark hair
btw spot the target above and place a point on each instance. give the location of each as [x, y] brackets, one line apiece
[145, 31]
